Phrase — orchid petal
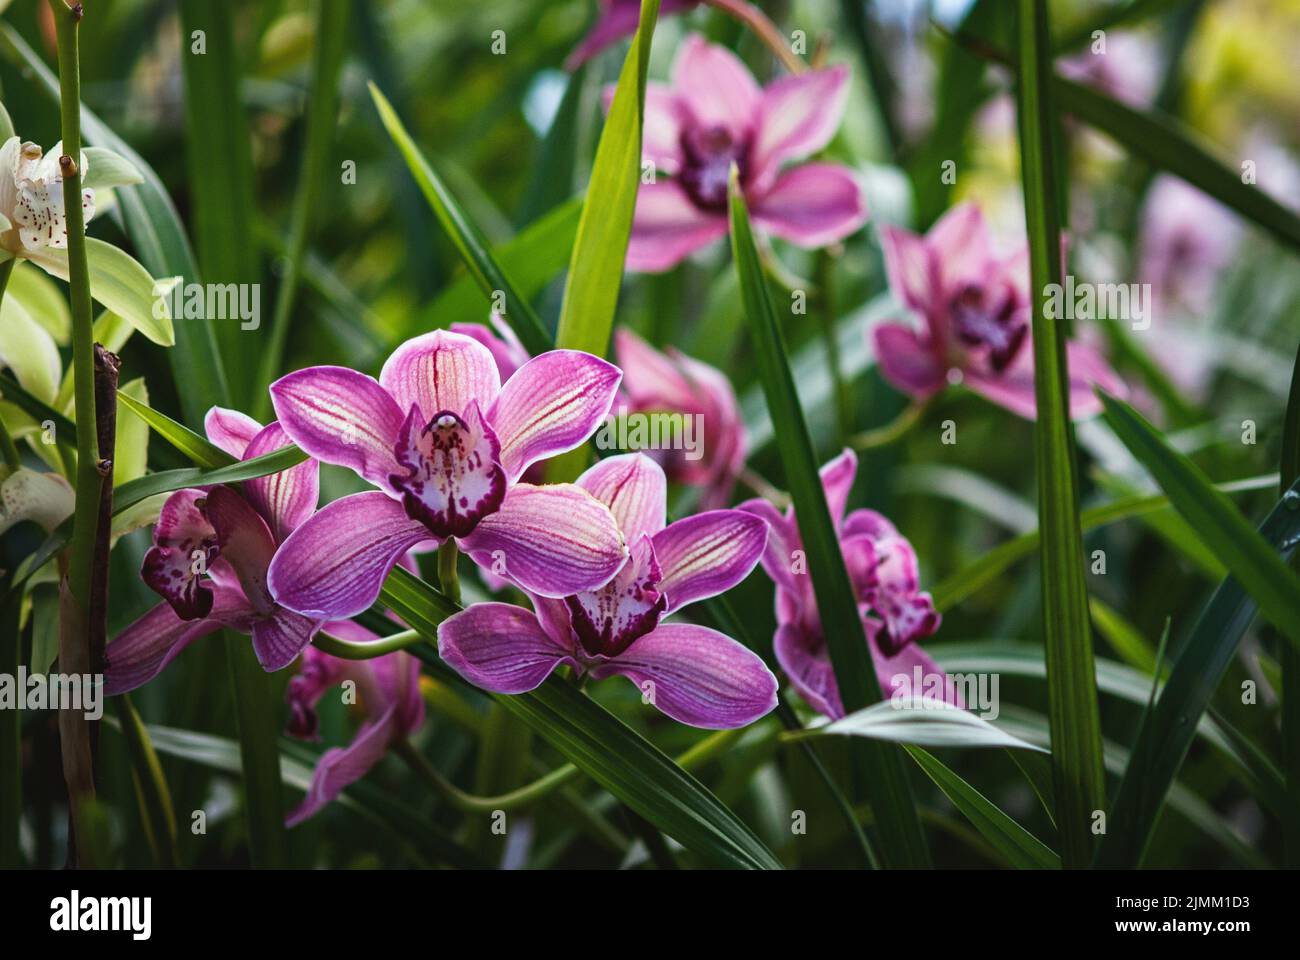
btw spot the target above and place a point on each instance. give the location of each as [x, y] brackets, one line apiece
[608, 620]
[340, 767]
[500, 647]
[798, 116]
[245, 542]
[697, 676]
[279, 638]
[333, 566]
[962, 246]
[837, 478]
[287, 498]
[185, 546]
[909, 268]
[782, 543]
[667, 227]
[553, 540]
[142, 650]
[552, 404]
[501, 341]
[634, 488]
[342, 417]
[441, 371]
[806, 661]
[707, 554]
[715, 87]
[905, 361]
[230, 430]
[812, 205]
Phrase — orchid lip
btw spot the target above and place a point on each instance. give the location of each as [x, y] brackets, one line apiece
[453, 476]
[607, 621]
[708, 154]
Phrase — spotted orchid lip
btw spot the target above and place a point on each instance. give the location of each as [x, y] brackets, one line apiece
[607, 621]
[453, 475]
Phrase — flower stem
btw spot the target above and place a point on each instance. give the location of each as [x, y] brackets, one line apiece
[88, 478]
[472, 803]
[893, 431]
[352, 650]
[762, 26]
[448, 578]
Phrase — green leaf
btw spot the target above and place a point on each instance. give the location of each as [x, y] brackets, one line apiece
[28, 350]
[131, 445]
[901, 841]
[466, 236]
[533, 258]
[928, 724]
[997, 561]
[1018, 845]
[1290, 656]
[611, 753]
[596, 267]
[1169, 729]
[198, 448]
[151, 786]
[1079, 774]
[43, 299]
[106, 169]
[37, 409]
[220, 165]
[159, 238]
[120, 284]
[1169, 146]
[1216, 521]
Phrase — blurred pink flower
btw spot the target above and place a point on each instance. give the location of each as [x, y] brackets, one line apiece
[654, 382]
[618, 18]
[212, 547]
[694, 674]
[882, 568]
[1186, 239]
[388, 693]
[976, 311]
[714, 114]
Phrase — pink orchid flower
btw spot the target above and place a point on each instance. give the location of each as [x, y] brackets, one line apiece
[976, 309]
[715, 114]
[618, 19]
[501, 341]
[211, 549]
[446, 443]
[882, 569]
[388, 694]
[693, 674]
[655, 383]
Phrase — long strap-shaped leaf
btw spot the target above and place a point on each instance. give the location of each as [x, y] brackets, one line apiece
[1079, 774]
[467, 237]
[1290, 656]
[901, 841]
[160, 241]
[596, 266]
[1021, 848]
[1170, 726]
[607, 750]
[1216, 521]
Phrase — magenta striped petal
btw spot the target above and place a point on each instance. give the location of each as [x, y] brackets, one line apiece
[230, 430]
[552, 404]
[500, 647]
[798, 116]
[279, 638]
[782, 543]
[697, 676]
[333, 566]
[634, 488]
[245, 542]
[837, 481]
[667, 227]
[708, 554]
[553, 540]
[342, 417]
[806, 661]
[501, 341]
[287, 498]
[141, 651]
[339, 767]
[441, 371]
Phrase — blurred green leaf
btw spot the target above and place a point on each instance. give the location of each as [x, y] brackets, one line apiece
[469, 240]
[43, 299]
[155, 799]
[1165, 738]
[1216, 521]
[925, 724]
[198, 448]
